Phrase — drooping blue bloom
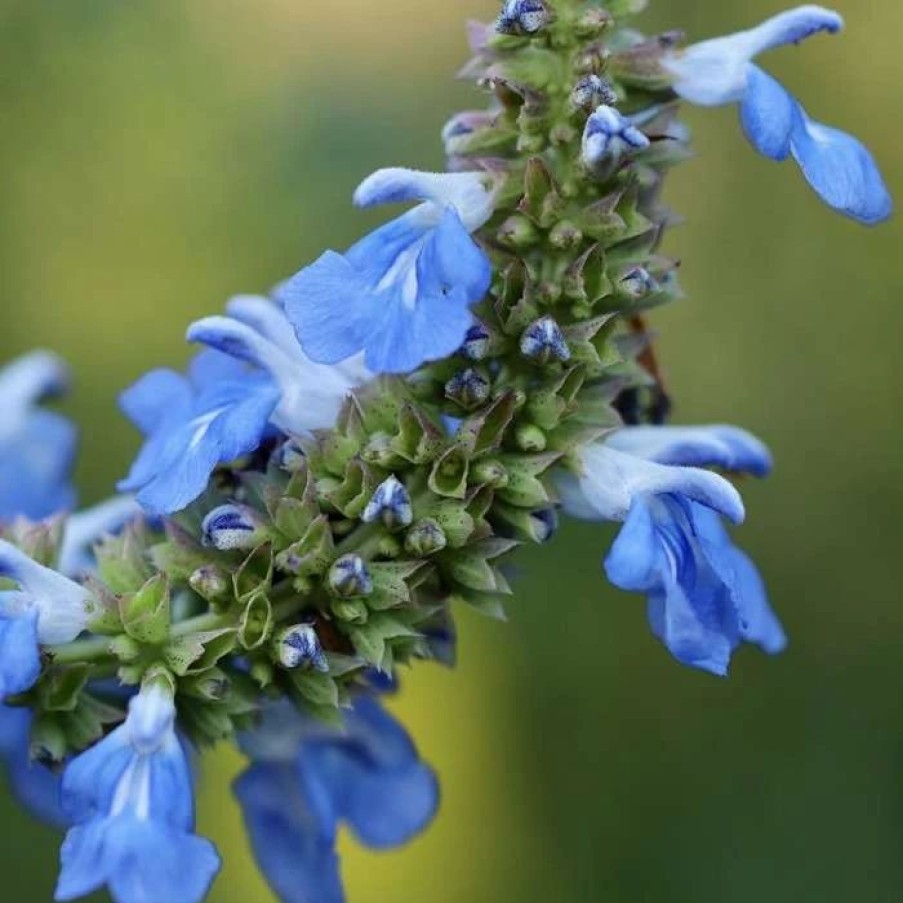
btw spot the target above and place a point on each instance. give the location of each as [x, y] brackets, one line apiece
[402, 295]
[306, 778]
[257, 379]
[608, 136]
[131, 802]
[47, 608]
[36, 787]
[720, 71]
[704, 595]
[36, 447]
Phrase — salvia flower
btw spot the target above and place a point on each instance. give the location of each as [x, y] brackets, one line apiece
[720, 71]
[37, 447]
[608, 136]
[402, 295]
[47, 609]
[131, 803]
[306, 778]
[705, 596]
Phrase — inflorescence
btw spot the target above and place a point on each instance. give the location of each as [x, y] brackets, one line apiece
[352, 457]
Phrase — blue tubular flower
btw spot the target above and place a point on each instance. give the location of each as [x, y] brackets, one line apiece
[837, 166]
[402, 295]
[36, 787]
[215, 415]
[36, 447]
[131, 802]
[47, 608]
[258, 332]
[705, 596]
[306, 777]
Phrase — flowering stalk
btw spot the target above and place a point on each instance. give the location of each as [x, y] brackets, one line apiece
[349, 459]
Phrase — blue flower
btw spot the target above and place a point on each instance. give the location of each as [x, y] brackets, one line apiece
[36, 787]
[402, 295]
[47, 609]
[306, 778]
[36, 447]
[705, 596]
[257, 379]
[131, 802]
[608, 136]
[720, 71]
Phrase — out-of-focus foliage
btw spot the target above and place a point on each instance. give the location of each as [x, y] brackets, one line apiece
[157, 156]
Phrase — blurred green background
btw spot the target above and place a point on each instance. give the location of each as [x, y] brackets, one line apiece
[157, 156]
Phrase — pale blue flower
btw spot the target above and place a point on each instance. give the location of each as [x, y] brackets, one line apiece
[37, 447]
[46, 608]
[402, 295]
[131, 801]
[307, 777]
[705, 596]
[720, 71]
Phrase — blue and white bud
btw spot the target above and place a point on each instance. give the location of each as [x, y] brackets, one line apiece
[131, 802]
[609, 136]
[46, 609]
[476, 342]
[232, 527]
[545, 524]
[837, 166]
[523, 17]
[402, 295]
[543, 341]
[299, 647]
[592, 91]
[468, 388]
[391, 503]
[349, 577]
[638, 283]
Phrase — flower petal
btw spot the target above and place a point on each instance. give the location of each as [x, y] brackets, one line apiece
[465, 192]
[841, 171]
[767, 113]
[20, 660]
[728, 447]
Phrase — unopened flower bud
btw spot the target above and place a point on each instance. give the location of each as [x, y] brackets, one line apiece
[353, 611]
[544, 523]
[591, 91]
[230, 527]
[468, 388]
[487, 472]
[299, 647]
[543, 340]
[211, 583]
[391, 503]
[349, 577]
[608, 136]
[530, 438]
[517, 231]
[476, 342]
[523, 17]
[564, 236]
[425, 538]
[291, 456]
[593, 23]
[637, 284]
